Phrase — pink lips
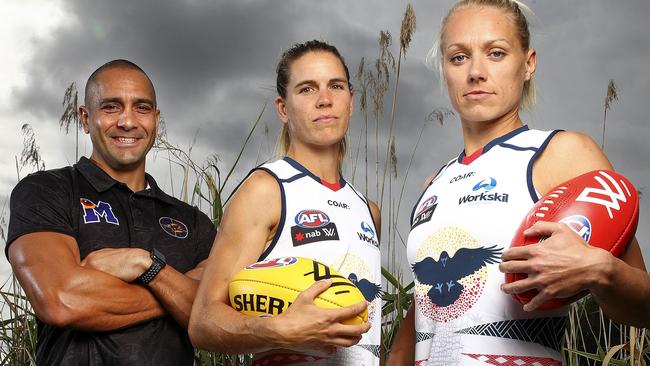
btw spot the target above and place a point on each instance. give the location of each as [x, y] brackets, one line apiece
[477, 94]
[325, 118]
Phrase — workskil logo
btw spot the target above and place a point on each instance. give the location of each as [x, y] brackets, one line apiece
[485, 193]
[486, 184]
[312, 226]
[368, 234]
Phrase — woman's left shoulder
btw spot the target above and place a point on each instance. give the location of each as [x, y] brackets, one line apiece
[567, 155]
[573, 142]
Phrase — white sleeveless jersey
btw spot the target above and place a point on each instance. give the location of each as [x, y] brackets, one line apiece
[460, 225]
[337, 229]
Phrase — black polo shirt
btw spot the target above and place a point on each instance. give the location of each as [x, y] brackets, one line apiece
[99, 212]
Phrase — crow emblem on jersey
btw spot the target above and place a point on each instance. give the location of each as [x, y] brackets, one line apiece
[312, 226]
[173, 227]
[369, 290]
[443, 274]
[94, 212]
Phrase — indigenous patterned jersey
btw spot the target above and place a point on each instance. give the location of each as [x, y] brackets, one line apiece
[333, 226]
[460, 225]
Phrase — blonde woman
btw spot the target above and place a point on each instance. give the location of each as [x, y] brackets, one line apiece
[463, 222]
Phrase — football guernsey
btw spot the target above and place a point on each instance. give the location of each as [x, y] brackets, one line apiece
[460, 226]
[333, 225]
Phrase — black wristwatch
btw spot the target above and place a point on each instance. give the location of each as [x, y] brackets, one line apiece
[157, 263]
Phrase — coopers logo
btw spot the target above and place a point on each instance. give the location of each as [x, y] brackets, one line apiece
[312, 219]
[485, 187]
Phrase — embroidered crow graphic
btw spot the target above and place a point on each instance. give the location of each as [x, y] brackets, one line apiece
[369, 290]
[443, 274]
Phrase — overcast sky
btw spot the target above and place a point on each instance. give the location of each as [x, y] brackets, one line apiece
[213, 62]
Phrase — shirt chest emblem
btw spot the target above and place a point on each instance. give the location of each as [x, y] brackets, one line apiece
[425, 211]
[484, 191]
[312, 226]
[95, 212]
[173, 227]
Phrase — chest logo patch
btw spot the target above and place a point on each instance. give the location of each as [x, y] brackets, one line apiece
[173, 227]
[94, 212]
[425, 211]
[484, 191]
[312, 226]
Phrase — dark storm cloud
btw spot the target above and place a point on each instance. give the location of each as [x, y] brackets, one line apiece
[213, 64]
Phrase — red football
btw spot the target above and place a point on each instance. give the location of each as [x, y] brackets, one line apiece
[602, 206]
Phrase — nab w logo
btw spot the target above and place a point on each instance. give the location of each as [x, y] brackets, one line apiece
[609, 196]
[94, 212]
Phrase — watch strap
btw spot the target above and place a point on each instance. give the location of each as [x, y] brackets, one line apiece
[157, 264]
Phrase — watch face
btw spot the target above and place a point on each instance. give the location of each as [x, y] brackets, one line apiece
[157, 256]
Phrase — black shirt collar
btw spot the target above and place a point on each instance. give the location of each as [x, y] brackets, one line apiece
[101, 181]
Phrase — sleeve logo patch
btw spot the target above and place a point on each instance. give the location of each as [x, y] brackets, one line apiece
[94, 212]
[173, 227]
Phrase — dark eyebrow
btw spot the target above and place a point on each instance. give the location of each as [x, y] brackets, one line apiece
[144, 100]
[338, 80]
[305, 82]
[119, 100]
[313, 82]
[110, 100]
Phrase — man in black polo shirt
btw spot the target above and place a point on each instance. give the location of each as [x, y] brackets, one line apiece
[109, 262]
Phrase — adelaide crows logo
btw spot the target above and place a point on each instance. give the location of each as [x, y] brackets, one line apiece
[451, 269]
[173, 227]
[443, 274]
[369, 290]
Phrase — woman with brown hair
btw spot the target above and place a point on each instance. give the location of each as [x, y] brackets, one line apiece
[299, 205]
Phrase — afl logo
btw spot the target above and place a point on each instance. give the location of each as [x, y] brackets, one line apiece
[579, 224]
[173, 227]
[273, 263]
[427, 204]
[488, 184]
[311, 219]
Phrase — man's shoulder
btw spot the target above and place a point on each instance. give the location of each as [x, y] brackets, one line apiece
[59, 178]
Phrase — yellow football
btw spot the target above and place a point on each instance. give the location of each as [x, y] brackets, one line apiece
[268, 287]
